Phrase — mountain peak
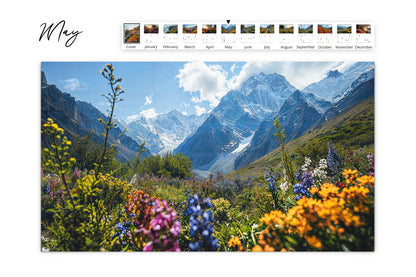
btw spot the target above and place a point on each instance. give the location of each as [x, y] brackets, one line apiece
[43, 81]
[174, 112]
[297, 94]
[334, 74]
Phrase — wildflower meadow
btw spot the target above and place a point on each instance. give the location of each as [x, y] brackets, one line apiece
[301, 204]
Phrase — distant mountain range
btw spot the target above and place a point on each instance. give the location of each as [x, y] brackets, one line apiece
[79, 118]
[337, 82]
[164, 132]
[240, 129]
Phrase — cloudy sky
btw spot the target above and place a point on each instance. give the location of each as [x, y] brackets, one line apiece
[159, 87]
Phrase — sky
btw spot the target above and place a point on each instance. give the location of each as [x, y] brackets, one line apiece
[153, 88]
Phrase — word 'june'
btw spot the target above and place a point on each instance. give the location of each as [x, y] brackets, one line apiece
[49, 30]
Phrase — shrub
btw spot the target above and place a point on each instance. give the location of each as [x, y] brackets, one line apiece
[167, 165]
[333, 218]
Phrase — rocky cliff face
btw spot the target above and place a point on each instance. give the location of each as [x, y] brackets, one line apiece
[79, 118]
[234, 120]
[296, 116]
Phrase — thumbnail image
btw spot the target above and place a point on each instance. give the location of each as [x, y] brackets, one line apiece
[281, 162]
[189, 28]
[228, 28]
[247, 28]
[151, 28]
[267, 28]
[170, 28]
[131, 32]
[209, 28]
[286, 29]
[344, 28]
[305, 29]
[324, 29]
[363, 29]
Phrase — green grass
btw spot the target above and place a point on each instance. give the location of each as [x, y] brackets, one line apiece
[351, 129]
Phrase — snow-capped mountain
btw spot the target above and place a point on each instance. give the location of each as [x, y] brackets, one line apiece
[230, 126]
[300, 112]
[164, 132]
[337, 80]
[295, 116]
[360, 89]
[320, 104]
[367, 75]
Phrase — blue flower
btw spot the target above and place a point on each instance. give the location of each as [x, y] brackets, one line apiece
[194, 246]
[272, 182]
[302, 189]
[333, 160]
[200, 223]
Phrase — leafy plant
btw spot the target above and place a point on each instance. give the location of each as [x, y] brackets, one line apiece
[112, 97]
[287, 161]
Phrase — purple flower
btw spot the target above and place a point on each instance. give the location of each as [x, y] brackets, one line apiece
[162, 237]
[76, 174]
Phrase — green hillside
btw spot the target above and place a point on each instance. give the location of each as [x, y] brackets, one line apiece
[351, 129]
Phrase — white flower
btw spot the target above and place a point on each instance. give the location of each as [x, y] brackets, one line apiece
[320, 172]
[307, 164]
[323, 164]
[284, 186]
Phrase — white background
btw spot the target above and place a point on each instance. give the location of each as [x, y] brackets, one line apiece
[21, 54]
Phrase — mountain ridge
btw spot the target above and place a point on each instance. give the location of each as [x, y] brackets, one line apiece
[80, 118]
[235, 119]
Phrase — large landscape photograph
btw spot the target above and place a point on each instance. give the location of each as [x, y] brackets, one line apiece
[207, 156]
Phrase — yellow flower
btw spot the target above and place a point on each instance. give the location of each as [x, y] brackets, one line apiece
[348, 172]
[314, 190]
[234, 241]
[366, 180]
[350, 175]
[329, 208]
[257, 248]
[328, 190]
[314, 242]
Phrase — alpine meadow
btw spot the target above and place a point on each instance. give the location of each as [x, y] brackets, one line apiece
[207, 156]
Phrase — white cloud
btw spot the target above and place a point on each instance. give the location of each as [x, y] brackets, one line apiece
[342, 66]
[132, 118]
[250, 69]
[196, 99]
[184, 113]
[148, 100]
[233, 67]
[209, 81]
[199, 110]
[149, 113]
[72, 84]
